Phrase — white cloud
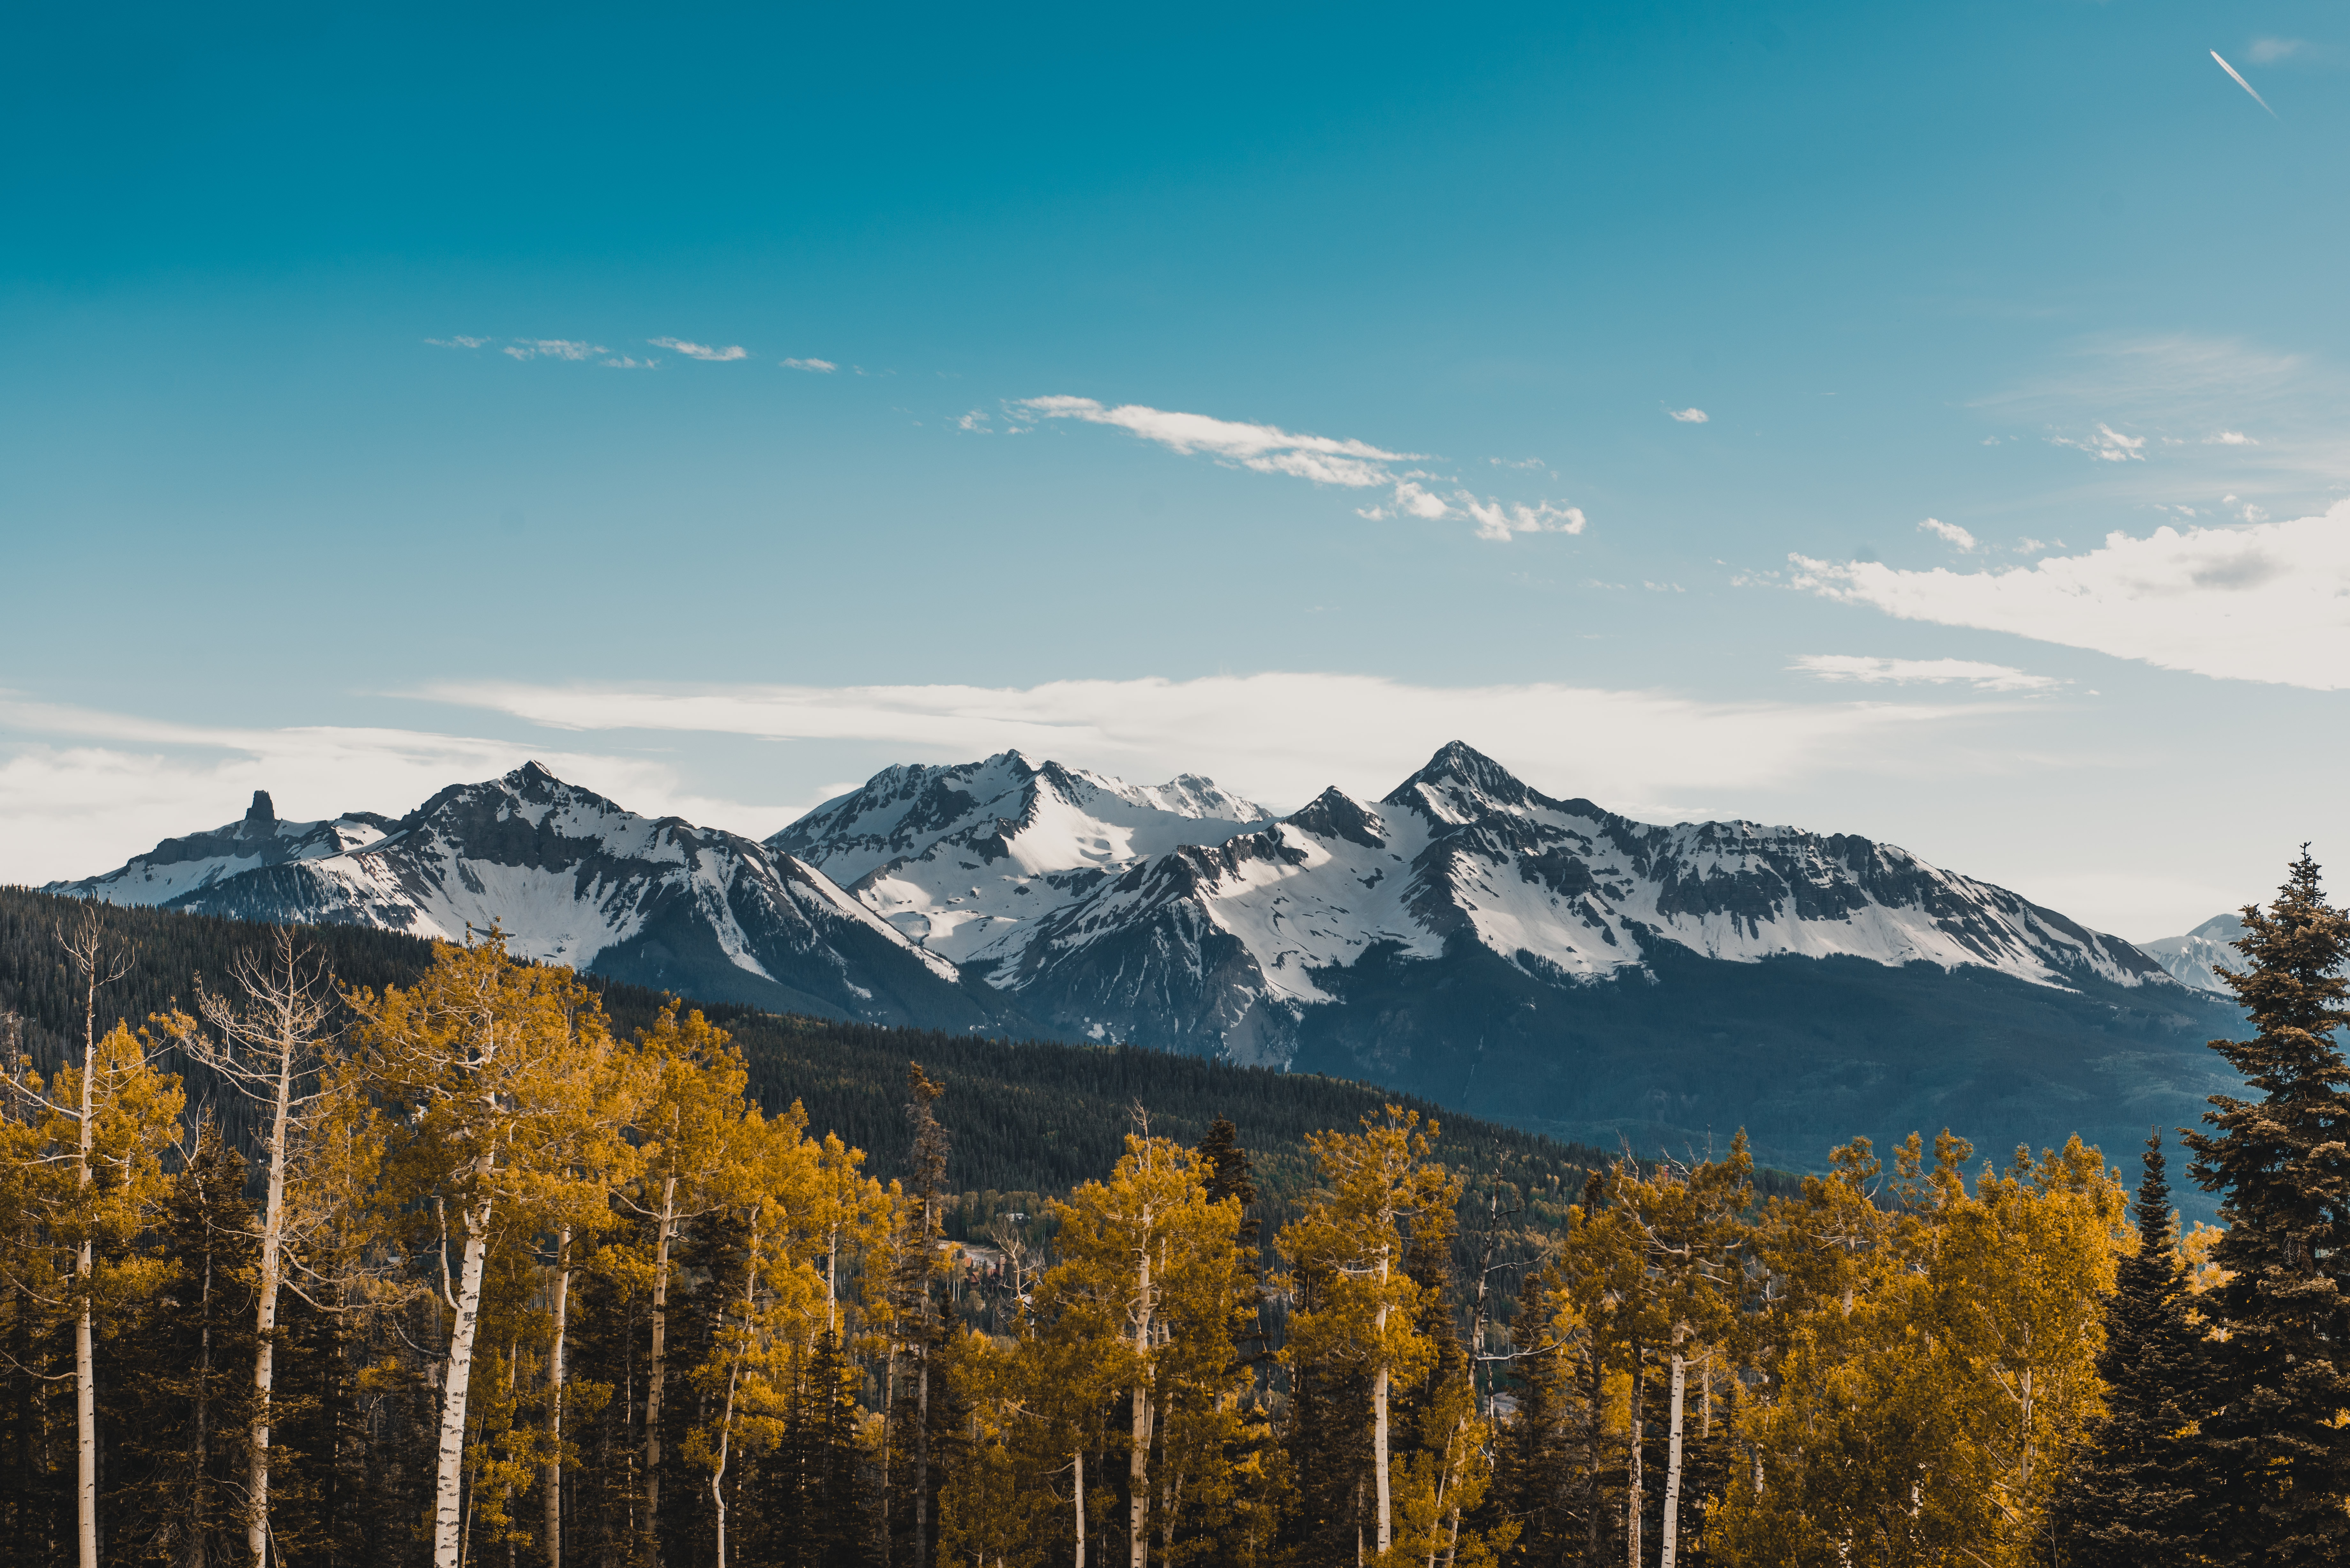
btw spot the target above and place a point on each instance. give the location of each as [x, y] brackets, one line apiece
[1691, 416]
[553, 349]
[974, 421]
[2266, 601]
[1282, 737]
[1325, 460]
[1949, 532]
[821, 367]
[1521, 462]
[630, 362]
[1499, 520]
[1264, 447]
[1936, 671]
[701, 350]
[2268, 51]
[2232, 438]
[82, 791]
[2108, 445]
[456, 342]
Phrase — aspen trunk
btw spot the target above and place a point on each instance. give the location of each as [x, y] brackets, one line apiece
[1673, 1466]
[1081, 1508]
[718, 1475]
[449, 1490]
[1632, 1497]
[85, 1266]
[552, 1482]
[1380, 1427]
[1138, 1471]
[264, 1316]
[658, 1373]
[726, 1418]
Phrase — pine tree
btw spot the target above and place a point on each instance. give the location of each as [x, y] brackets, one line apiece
[2278, 1455]
[2127, 1501]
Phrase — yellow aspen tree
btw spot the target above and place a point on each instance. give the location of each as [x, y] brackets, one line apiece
[1691, 1237]
[772, 1314]
[1932, 1359]
[845, 1217]
[1158, 1266]
[1354, 1235]
[690, 1131]
[498, 1076]
[94, 1169]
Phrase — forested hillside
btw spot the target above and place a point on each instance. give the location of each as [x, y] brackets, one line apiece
[504, 1263]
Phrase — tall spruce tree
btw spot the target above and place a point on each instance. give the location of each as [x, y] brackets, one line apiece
[2278, 1457]
[2128, 1503]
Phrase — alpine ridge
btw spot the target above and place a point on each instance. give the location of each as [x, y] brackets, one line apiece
[571, 878]
[1539, 961]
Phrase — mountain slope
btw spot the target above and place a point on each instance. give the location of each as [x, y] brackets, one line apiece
[1551, 962]
[1226, 946]
[575, 880]
[966, 859]
[2195, 960]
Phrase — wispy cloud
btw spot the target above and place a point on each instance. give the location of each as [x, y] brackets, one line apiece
[1500, 519]
[628, 362]
[821, 367]
[553, 349]
[458, 342]
[974, 421]
[1523, 462]
[1875, 671]
[1949, 532]
[1324, 460]
[701, 350]
[1690, 416]
[2269, 51]
[2108, 445]
[2257, 602]
[2232, 438]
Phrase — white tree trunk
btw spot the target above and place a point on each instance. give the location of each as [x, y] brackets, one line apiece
[1379, 1425]
[658, 1373]
[1081, 1508]
[265, 1315]
[449, 1493]
[552, 1482]
[86, 1421]
[1632, 1500]
[85, 1268]
[1138, 1462]
[1379, 1451]
[1673, 1465]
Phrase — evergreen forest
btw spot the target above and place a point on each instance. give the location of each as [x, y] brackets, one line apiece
[331, 1247]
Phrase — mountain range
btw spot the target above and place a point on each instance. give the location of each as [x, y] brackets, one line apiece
[1539, 961]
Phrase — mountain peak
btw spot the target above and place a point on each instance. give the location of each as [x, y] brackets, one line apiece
[1458, 770]
[262, 812]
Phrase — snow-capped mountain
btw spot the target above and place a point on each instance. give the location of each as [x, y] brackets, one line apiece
[1223, 942]
[2195, 959]
[574, 879]
[968, 860]
[1541, 961]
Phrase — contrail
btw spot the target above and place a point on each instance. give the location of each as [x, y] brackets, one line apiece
[2243, 84]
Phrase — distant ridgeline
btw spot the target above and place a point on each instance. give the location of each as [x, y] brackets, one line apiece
[1028, 1119]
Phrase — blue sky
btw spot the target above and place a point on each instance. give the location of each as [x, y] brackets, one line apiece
[1268, 392]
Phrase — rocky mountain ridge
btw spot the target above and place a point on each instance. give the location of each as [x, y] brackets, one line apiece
[1539, 960]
